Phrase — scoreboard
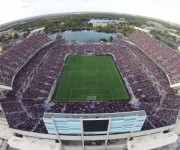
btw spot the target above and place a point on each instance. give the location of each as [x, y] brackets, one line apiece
[94, 124]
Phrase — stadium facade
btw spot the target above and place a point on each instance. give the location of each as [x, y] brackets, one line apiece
[30, 71]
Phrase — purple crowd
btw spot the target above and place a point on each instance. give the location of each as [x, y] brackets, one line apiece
[24, 108]
[165, 56]
[12, 60]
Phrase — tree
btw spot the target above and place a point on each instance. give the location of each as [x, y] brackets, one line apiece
[90, 25]
[157, 37]
[16, 35]
[126, 30]
[2, 38]
[110, 39]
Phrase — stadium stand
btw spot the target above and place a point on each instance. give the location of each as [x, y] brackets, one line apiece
[140, 61]
[160, 53]
[12, 60]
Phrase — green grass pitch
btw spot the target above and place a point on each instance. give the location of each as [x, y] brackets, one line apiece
[90, 77]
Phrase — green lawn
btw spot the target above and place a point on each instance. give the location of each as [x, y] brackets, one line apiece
[90, 78]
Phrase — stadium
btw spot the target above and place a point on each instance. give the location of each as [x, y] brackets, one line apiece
[60, 95]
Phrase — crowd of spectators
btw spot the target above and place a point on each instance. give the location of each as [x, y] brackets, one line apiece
[24, 109]
[167, 106]
[13, 59]
[165, 56]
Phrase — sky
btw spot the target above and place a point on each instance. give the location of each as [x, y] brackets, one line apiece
[168, 10]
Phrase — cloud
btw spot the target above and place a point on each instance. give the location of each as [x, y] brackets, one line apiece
[26, 6]
[162, 9]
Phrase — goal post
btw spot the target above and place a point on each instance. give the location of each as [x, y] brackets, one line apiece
[91, 98]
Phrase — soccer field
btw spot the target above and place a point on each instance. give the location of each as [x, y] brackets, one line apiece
[90, 78]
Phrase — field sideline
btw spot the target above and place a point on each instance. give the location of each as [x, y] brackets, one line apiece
[90, 78]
